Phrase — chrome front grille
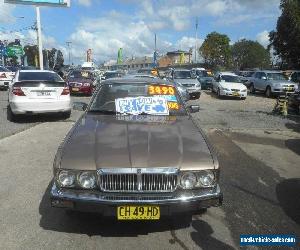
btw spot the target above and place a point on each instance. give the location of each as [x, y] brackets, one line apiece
[138, 180]
[235, 90]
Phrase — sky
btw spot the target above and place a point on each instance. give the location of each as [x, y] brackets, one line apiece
[106, 25]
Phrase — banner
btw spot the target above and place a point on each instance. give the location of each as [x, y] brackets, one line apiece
[14, 50]
[55, 3]
[120, 56]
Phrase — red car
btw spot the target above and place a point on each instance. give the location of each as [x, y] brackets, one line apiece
[81, 82]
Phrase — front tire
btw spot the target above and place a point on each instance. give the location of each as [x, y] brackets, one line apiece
[268, 92]
[251, 88]
[219, 94]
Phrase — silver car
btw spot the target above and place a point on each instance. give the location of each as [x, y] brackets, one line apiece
[271, 83]
[186, 80]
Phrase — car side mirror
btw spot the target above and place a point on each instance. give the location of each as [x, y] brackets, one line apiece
[80, 106]
[264, 78]
[194, 108]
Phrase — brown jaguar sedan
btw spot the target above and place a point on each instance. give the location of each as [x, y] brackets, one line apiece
[136, 154]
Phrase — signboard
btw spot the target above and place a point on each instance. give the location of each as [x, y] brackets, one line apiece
[53, 3]
[14, 50]
[151, 105]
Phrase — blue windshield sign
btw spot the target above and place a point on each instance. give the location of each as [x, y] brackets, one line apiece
[57, 3]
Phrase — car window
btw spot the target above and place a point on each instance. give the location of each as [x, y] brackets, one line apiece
[40, 76]
[81, 74]
[3, 69]
[230, 78]
[276, 76]
[108, 94]
[183, 74]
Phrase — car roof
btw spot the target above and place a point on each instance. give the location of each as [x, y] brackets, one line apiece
[269, 71]
[181, 69]
[35, 70]
[227, 73]
[141, 80]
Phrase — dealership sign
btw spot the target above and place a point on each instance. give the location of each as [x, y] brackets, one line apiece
[54, 3]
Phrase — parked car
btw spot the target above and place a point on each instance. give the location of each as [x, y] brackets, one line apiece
[294, 101]
[5, 78]
[204, 77]
[136, 154]
[230, 85]
[38, 92]
[81, 82]
[112, 74]
[186, 80]
[271, 83]
[295, 78]
[245, 77]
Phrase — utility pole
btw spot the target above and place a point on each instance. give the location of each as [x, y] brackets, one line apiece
[196, 40]
[68, 44]
[39, 37]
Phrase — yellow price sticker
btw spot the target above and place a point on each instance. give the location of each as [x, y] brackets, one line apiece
[161, 90]
[173, 105]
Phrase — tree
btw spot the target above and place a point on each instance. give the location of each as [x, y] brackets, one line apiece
[250, 54]
[31, 52]
[286, 39]
[215, 50]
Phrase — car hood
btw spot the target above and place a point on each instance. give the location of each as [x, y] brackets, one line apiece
[233, 85]
[81, 80]
[107, 141]
[282, 82]
[186, 81]
[206, 79]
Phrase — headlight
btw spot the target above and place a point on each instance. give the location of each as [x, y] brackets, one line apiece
[188, 180]
[206, 178]
[87, 180]
[86, 84]
[198, 84]
[66, 178]
[244, 90]
[226, 89]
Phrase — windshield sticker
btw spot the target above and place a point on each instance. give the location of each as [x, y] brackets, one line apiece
[160, 90]
[169, 98]
[151, 105]
[84, 74]
[153, 119]
[173, 105]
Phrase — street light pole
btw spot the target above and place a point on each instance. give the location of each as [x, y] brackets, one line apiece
[39, 37]
[196, 40]
[68, 44]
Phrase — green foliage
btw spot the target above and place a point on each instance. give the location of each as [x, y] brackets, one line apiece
[216, 50]
[31, 52]
[250, 54]
[286, 38]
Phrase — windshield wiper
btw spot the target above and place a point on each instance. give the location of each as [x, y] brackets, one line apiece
[107, 112]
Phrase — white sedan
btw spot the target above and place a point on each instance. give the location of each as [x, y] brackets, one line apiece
[38, 92]
[229, 84]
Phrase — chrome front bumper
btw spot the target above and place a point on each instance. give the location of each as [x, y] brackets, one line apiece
[95, 201]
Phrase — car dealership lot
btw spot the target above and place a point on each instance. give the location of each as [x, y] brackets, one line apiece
[259, 157]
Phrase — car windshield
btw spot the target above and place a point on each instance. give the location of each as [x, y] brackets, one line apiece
[276, 76]
[248, 74]
[81, 74]
[137, 99]
[3, 69]
[202, 73]
[145, 71]
[111, 75]
[184, 74]
[40, 76]
[229, 78]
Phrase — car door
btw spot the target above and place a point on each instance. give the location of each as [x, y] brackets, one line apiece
[263, 81]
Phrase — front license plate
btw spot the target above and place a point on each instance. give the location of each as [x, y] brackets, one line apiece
[75, 89]
[235, 94]
[138, 213]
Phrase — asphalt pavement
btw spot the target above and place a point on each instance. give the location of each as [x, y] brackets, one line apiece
[259, 158]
